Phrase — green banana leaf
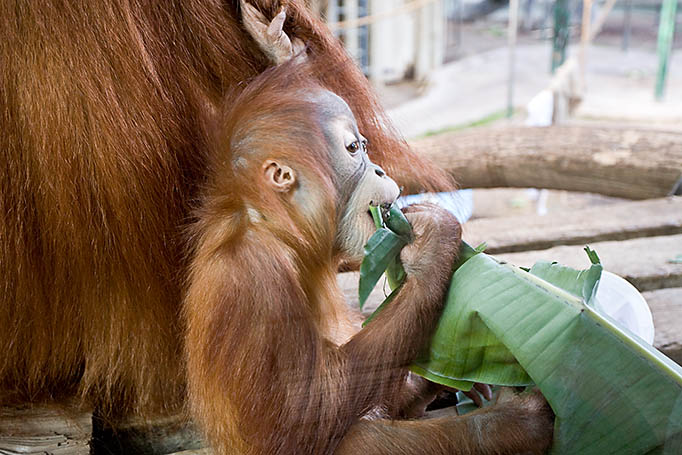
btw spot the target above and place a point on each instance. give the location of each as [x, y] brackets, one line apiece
[611, 391]
[381, 250]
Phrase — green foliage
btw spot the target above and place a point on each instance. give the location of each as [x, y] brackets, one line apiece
[382, 249]
[382, 252]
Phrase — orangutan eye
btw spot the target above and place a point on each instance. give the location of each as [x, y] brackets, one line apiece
[353, 147]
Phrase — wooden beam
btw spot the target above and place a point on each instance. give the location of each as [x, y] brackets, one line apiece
[622, 162]
[648, 263]
[621, 221]
[43, 430]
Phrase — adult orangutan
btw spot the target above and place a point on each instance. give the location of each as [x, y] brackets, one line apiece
[103, 109]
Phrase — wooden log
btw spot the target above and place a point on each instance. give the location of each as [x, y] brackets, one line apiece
[43, 430]
[620, 221]
[622, 162]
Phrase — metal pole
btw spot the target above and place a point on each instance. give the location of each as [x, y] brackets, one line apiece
[627, 25]
[666, 31]
[351, 35]
[545, 19]
[526, 23]
[561, 33]
[585, 38]
[460, 22]
[511, 35]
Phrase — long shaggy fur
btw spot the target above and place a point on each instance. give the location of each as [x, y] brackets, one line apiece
[102, 108]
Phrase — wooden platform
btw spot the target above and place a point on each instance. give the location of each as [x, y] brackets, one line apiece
[622, 221]
[42, 430]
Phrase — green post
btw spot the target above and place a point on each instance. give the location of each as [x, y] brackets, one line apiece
[561, 33]
[511, 37]
[666, 31]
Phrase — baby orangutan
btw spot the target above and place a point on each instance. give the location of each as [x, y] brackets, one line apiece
[276, 363]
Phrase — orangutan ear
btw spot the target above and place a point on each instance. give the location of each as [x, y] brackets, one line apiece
[279, 176]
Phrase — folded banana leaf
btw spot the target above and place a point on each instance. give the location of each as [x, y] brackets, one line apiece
[611, 391]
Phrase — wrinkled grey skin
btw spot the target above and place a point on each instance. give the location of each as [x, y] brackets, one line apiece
[364, 182]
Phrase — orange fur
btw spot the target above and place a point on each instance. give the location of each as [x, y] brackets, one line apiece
[265, 373]
[101, 112]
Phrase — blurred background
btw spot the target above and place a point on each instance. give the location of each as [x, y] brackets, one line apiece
[451, 65]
